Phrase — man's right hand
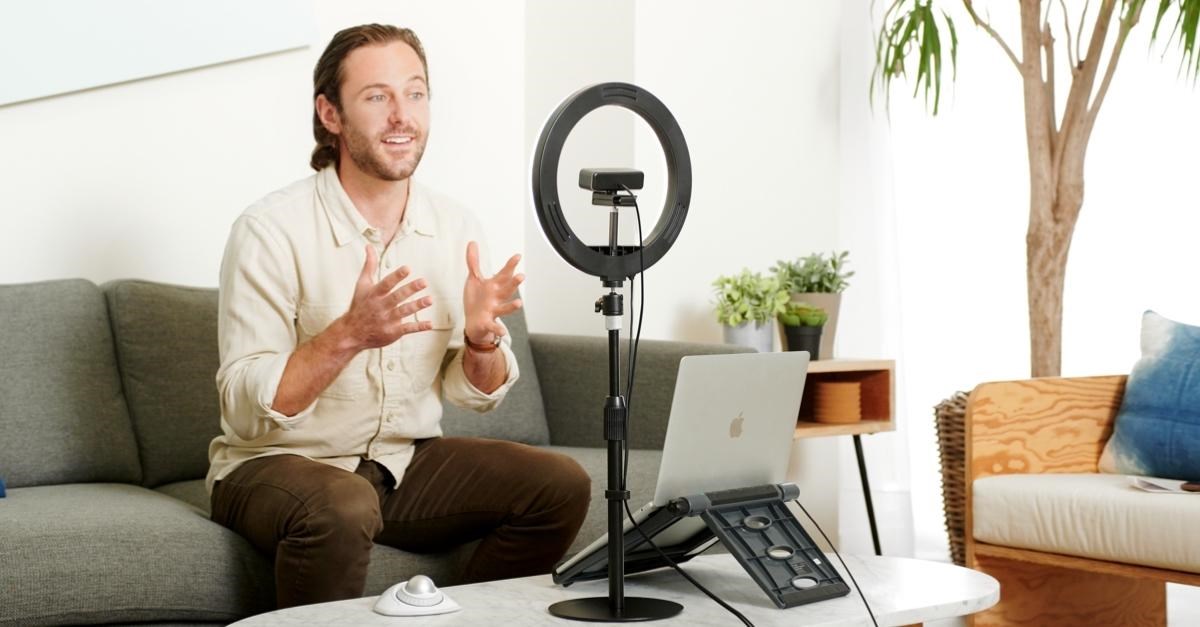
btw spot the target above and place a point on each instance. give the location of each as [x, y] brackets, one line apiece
[375, 319]
[377, 311]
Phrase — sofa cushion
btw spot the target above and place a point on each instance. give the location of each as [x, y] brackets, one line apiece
[62, 416]
[1157, 428]
[96, 553]
[1097, 516]
[521, 417]
[166, 338]
[191, 492]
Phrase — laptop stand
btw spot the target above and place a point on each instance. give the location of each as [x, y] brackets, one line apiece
[754, 524]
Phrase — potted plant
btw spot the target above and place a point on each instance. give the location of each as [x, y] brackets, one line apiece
[746, 304]
[802, 324]
[818, 280]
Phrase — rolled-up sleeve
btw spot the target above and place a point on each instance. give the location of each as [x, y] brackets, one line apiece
[459, 389]
[455, 385]
[256, 328]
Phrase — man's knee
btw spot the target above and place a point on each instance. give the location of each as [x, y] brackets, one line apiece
[346, 507]
[569, 482]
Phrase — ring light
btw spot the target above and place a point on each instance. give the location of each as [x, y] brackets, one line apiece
[599, 260]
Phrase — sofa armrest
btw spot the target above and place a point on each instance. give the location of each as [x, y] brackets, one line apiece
[1042, 425]
[573, 374]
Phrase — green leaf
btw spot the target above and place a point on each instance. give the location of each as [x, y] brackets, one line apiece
[747, 297]
[1187, 23]
[814, 273]
[911, 28]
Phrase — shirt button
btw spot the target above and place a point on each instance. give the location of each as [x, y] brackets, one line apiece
[391, 364]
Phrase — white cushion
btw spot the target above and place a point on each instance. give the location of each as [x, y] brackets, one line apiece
[1099, 516]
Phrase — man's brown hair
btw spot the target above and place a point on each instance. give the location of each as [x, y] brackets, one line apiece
[327, 77]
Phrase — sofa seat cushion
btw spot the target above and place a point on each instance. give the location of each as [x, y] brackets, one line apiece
[1097, 516]
[103, 552]
[191, 492]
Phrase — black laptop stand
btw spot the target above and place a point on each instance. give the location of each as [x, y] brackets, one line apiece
[754, 524]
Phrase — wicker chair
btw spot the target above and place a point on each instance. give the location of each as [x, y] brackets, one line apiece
[952, 446]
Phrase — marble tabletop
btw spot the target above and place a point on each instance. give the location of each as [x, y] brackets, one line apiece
[901, 591]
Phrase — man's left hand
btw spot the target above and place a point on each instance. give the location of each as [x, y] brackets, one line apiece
[487, 299]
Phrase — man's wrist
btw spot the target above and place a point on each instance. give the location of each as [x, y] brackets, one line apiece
[481, 347]
[341, 342]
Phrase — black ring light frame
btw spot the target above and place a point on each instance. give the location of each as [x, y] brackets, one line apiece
[595, 260]
[612, 264]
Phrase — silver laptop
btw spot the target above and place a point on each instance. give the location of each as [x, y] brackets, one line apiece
[731, 426]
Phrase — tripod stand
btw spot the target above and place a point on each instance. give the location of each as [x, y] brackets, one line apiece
[616, 607]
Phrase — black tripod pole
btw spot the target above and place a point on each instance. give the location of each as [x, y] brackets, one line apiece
[616, 417]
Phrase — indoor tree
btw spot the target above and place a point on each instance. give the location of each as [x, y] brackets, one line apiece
[913, 32]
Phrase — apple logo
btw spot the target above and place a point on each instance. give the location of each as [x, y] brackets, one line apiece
[735, 427]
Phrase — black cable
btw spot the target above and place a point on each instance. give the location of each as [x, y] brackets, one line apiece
[636, 339]
[714, 597]
[844, 567]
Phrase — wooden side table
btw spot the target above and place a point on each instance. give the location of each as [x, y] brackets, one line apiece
[878, 406]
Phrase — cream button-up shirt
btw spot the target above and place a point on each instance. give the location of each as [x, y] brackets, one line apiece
[289, 270]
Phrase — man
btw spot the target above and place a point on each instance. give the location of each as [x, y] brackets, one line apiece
[350, 302]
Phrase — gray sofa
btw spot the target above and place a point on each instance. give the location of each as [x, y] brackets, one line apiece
[107, 406]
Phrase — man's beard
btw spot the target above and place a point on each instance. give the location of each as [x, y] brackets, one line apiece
[366, 153]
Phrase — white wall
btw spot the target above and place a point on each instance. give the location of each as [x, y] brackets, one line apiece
[143, 179]
[763, 144]
[758, 105]
[570, 45]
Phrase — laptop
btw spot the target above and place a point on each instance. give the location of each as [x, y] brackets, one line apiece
[731, 426]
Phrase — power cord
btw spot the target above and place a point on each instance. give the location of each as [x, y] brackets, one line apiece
[635, 339]
[844, 567]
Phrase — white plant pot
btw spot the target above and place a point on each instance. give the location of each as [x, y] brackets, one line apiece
[757, 335]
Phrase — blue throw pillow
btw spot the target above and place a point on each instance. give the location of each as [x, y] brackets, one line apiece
[1157, 431]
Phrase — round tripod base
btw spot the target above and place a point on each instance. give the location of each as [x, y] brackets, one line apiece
[598, 609]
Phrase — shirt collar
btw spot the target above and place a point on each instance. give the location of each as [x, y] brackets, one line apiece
[349, 225]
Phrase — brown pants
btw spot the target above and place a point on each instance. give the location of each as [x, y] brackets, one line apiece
[319, 522]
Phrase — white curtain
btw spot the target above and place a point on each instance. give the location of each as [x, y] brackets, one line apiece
[871, 325]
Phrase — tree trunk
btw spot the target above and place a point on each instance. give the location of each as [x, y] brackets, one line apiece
[1056, 155]
[1046, 251]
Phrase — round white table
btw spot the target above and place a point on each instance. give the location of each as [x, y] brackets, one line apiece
[901, 591]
